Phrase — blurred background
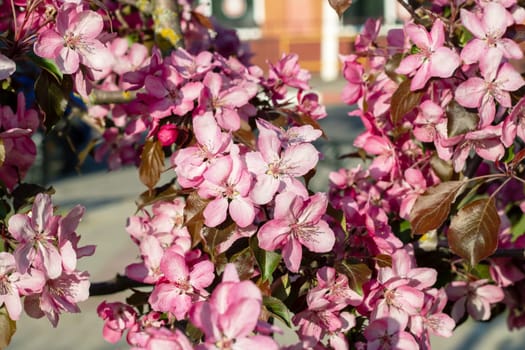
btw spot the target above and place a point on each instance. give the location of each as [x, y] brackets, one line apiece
[309, 28]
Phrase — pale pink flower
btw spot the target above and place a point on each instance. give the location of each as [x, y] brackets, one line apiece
[228, 182]
[231, 315]
[433, 59]
[147, 271]
[495, 86]
[37, 237]
[387, 334]
[191, 162]
[13, 284]
[276, 169]
[73, 41]
[488, 43]
[58, 295]
[297, 222]
[476, 297]
[118, 317]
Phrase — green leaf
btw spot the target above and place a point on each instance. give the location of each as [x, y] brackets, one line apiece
[278, 309]
[433, 207]
[7, 328]
[151, 164]
[267, 260]
[403, 101]
[473, 231]
[459, 120]
[52, 96]
[48, 65]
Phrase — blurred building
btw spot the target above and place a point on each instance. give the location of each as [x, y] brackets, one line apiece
[309, 28]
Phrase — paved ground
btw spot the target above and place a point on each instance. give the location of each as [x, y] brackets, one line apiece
[109, 198]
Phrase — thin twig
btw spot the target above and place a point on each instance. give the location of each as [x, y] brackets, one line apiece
[118, 284]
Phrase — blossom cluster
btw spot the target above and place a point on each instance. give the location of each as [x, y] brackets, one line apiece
[237, 240]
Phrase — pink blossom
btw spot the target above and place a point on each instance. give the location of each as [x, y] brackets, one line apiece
[37, 237]
[182, 284]
[432, 60]
[488, 43]
[297, 221]
[387, 334]
[287, 72]
[147, 271]
[73, 41]
[13, 284]
[228, 182]
[224, 101]
[118, 317]
[476, 297]
[191, 162]
[58, 295]
[495, 85]
[230, 315]
[276, 169]
[514, 124]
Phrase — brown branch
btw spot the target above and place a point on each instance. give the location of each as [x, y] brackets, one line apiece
[166, 18]
[410, 9]
[102, 97]
[118, 284]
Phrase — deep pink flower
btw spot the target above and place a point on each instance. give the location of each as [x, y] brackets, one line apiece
[118, 317]
[433, 59]
[297, 222]
[73, 41]
[182, 284]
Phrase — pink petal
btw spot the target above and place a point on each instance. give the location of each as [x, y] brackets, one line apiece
[51, 259]
[240, 319]
[272, 234]
[421, 77]
[242, 211]
[473, 51]
[322, 241]
[444, 62]
[292, 254]
[49, 44]
[410, 63]
[264, 189]
[300, 159]
[418, 35]
[205, 316]
[493, 20]
[174, 267]
[493, 294]
[201, 275]
[68, 60]
[216, 211]
[470, 93]
[89, 25]
[478, 308]
[437, 34]
[472, 23]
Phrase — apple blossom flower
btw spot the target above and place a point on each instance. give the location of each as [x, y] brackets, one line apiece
[230, 315]
[495, 85]
[228, 182]
[297, 222]
[118, 317]
[37, 237]
[488, 43]
[181, 285]
[386, 333]
[58, 295]
[433, 59]
[473, 297]
[73, 41]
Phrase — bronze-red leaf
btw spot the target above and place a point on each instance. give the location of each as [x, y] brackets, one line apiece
[473, 232]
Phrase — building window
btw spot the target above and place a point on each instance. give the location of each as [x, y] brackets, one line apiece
[361, 10]
[234, 13]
